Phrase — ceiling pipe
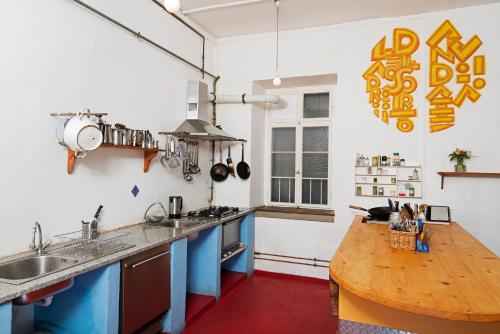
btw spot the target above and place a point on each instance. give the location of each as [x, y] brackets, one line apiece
[222, 6]
[244, 98]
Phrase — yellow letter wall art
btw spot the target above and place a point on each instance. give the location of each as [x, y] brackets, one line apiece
[452, 60]
[390, 84]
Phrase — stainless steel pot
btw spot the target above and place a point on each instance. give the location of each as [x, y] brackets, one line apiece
[107, 134]
[127, 137]
[117, 137]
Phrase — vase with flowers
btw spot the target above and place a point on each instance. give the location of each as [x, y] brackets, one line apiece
[459, 156]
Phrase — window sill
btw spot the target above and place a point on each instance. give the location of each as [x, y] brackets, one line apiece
[326, 216]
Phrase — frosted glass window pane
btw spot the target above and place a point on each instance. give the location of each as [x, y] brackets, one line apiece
[286, 190]
[315, 191]
[315, 139]
[283, 190]
[315, 165]
[324, 195]
[283, 139]
[306, 195]
[316, 105]
[283, 164]
[275, 190]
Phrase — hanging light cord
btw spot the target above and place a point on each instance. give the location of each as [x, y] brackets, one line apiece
[277, 3]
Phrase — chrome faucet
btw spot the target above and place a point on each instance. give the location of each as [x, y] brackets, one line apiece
[40, 247]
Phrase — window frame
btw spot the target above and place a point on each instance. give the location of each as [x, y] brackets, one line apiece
[299, 122]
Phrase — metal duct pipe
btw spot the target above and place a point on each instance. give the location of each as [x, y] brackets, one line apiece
[244, 98]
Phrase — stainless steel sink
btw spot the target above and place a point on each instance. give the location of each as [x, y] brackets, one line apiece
[32, 267]
[181, 223]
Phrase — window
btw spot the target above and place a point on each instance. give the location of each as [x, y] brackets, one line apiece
[300, 150]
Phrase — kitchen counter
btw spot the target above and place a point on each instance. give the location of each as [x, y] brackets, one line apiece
[457, 281]
[143, 236]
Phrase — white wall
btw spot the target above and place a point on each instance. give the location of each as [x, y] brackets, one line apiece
[345, 50]
[58, 57]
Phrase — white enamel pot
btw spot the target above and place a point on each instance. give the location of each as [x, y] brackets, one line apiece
[82, 134]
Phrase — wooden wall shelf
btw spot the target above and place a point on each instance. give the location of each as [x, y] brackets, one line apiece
[466, 174]
[149, 155]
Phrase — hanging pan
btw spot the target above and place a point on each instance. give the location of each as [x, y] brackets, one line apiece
[219, 172]
[243, 169]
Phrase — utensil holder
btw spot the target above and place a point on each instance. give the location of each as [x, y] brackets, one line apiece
[402, 240]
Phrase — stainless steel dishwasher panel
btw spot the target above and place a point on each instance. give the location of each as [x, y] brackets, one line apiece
[145, 288]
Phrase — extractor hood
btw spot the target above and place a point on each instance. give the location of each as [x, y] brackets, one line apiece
[197, 125]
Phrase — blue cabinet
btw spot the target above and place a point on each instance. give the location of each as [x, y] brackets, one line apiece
[5, 318]
[90, 306]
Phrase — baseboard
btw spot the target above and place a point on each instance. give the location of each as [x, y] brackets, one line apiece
[263, 273]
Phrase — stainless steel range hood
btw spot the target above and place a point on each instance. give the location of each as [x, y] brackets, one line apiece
[197, 125]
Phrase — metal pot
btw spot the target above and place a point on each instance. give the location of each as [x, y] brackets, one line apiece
[107, 134]
[117, 137]
[127, 137]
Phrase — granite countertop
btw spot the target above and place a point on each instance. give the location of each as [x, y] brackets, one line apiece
[143, 236]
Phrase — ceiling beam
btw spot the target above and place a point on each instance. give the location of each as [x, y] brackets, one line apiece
[225, 5]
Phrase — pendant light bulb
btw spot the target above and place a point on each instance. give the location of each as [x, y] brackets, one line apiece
[173, 6]
[277, 81]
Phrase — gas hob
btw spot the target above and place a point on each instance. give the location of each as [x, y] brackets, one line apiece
[214, 212]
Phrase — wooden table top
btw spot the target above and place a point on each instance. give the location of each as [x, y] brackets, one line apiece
[459, 279]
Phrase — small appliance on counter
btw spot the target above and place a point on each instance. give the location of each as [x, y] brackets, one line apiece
[435, 214]
[174, 207]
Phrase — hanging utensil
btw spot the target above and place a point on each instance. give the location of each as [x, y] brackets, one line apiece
[182, 150]
[219, 172]
[170, 158]
[243, 169]
[230, 164]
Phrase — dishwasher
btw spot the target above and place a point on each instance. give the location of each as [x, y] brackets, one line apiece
[145, 290]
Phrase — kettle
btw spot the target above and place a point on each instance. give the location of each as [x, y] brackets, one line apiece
[174, 207]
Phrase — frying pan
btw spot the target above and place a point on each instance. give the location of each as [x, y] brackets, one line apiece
[219, 172]
[378, 213]
[242, 168]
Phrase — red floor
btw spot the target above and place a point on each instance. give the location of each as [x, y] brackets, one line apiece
[270, 303]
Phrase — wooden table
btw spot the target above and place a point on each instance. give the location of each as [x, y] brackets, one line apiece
[455, 287]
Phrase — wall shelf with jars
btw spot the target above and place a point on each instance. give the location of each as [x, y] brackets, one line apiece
[375, 180]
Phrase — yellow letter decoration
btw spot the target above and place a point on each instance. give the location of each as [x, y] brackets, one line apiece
[451, 58]
[389, 80]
